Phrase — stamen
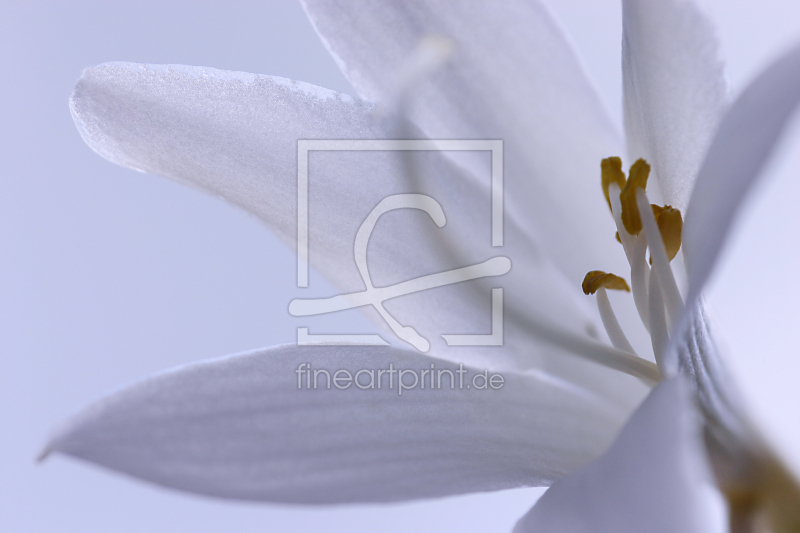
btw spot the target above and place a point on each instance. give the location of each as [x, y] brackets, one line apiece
[658, 253]
[635, 249]
[655, 292]
[598, 281]
[611, 172]
[610, 322]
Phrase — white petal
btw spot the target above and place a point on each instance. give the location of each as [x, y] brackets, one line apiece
[235, 135]
[239, 427]
[512, 76]
[758, 321]
[673, 90]
[653, 478]
[741, 147]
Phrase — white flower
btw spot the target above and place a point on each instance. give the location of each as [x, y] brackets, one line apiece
[238, 427]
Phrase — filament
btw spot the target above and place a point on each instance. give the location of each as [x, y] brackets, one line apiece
[666, 280]
[610, 322]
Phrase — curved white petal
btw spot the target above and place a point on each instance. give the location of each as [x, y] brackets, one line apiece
[741, 147]
[673, 90]
[758, 321]
[654, 478]
[239, 427]
[235, 135]
[512, 76]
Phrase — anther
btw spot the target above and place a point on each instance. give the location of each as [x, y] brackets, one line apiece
[637, 179]
[611, 172]
[670, 225]
[597, 279]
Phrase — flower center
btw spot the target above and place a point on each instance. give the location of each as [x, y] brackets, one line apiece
[640, 226]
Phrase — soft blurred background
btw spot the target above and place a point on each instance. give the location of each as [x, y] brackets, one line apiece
[107, 275]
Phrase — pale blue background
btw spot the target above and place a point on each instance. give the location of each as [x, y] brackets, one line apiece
[107, 275]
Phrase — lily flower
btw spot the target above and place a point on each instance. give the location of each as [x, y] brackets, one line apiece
[566, 414]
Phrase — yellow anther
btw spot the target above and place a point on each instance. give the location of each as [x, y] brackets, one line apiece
[597, 279]
[670, 225]
[611, 172]
[637, 177]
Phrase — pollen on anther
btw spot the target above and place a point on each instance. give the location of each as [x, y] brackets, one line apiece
[670, 225]
[611, 172]
[597, 279]
[637, 178]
